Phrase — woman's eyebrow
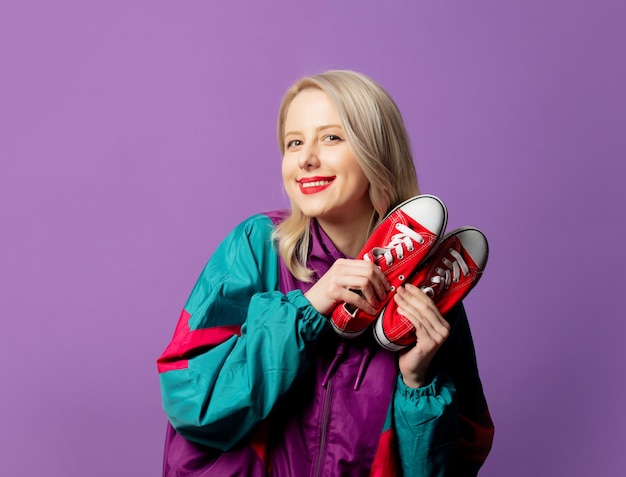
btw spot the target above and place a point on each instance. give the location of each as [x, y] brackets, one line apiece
[319, 128]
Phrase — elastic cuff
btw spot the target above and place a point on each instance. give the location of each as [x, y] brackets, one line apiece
[316, 321]
[433, 388]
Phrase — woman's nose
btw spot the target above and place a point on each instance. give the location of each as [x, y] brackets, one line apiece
[308, 157]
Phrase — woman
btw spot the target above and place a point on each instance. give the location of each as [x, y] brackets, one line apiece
[255, 381]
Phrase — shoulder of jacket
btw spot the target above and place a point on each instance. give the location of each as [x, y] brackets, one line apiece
[262, 222]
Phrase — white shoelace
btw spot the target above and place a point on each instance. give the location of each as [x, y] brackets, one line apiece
[405, 238]
[445, 276]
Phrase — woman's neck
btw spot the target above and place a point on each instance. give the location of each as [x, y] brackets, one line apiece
[348, 235]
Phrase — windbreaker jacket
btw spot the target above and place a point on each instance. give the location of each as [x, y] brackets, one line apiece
[255, 383]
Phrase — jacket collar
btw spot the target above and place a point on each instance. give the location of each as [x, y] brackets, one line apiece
[323, 251]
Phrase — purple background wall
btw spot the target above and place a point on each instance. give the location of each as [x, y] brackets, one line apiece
[134, 135]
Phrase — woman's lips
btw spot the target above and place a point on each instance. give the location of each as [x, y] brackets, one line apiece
[314, 185]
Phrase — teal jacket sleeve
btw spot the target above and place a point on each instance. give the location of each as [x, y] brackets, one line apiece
[240, 343]
[426, 421]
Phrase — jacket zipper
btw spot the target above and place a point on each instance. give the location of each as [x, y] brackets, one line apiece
[325, 419]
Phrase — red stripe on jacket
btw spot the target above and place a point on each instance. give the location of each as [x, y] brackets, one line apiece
[476, 438]
[186, 342]
[386, 459]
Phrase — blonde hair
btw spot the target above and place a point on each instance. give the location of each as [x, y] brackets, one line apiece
[376, 133]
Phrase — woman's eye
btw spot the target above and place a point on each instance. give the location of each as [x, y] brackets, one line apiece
[294, 143]
[332, 138]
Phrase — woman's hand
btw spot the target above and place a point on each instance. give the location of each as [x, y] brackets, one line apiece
[356, 282]
[431, 330]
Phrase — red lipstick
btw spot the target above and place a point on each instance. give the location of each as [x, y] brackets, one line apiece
[313, 185]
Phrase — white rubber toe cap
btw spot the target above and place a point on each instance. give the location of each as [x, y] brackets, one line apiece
[427, 210]
[475, 244]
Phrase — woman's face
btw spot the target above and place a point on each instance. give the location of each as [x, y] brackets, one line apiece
[320, 172]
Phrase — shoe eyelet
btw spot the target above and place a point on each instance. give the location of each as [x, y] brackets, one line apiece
[401, 278]
[421, 241]
[392, 288]
[411, 249]
[398, 226]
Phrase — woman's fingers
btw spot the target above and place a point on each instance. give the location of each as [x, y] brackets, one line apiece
[417, 306]
[431, 331]
[363, 279]
[357, 282]
[363, 275]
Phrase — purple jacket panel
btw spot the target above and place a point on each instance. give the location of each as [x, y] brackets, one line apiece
[343, 402]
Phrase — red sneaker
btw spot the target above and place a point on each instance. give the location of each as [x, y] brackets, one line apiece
[398, 245]
[450, 272]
